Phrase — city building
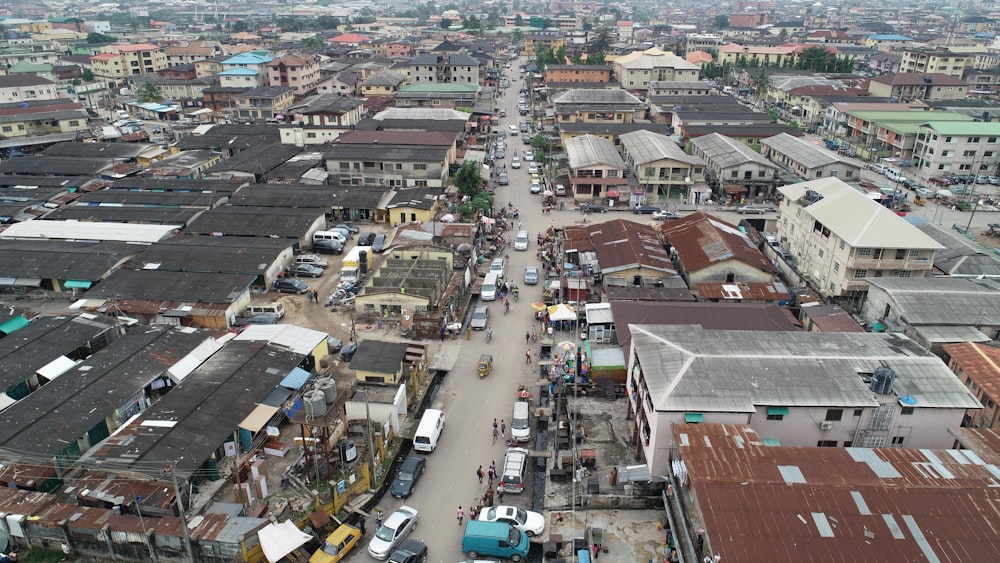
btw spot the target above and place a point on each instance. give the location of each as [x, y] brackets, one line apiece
[707, 249]
[596, 170]
[732, 168]
[840, 238]
[591, 105]
[117, 63]
[577, 73]
[934, 61]
[637, 69]
[444, 68]
[299, 72]
[907, 86]
[392, 158]
[321, 119]
[264, 103]
[807, 160]
[962, 147]
[977, 366]
[25, 88]
[660, 166]
[851, 389]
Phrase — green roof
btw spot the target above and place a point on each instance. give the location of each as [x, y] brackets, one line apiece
[991, 128]
[435, 87]
[883, 118]
[26, 67]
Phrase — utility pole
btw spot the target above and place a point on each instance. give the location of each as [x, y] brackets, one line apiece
[180, 511]
[371, 442]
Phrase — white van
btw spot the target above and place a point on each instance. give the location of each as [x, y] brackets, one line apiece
[520, 422]
[274, 308]
[490, 287]
[521, 240]
[514, 131]
[429, 431]
[312, 260]
[329, 235]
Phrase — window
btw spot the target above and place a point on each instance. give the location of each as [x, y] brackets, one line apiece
[826, 444]
[974, 140]
[857, 412]
[834, 415]
[906, 410]
[820, 252]
[776, 413]
[836, 266]
[310, 135]
[345, 165]
[864, 252]
[905, 273]
[420, 166]
[991, 140]
[897, 440]
[843, 245]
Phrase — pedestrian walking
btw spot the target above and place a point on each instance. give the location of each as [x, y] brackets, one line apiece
[309, 296]
[361, 525]
[495, 424]
[442, 333]
[378, 519]
[492, 474]
[503, 428]
[527, 356]
[500, 493]
[461, 515]
[527, 337]
[479, 474]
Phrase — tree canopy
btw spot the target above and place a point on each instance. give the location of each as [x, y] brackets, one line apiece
[94, 38]
[149, 92]
[468, 180]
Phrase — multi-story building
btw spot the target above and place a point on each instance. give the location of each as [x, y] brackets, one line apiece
[637, 69]
[438, 95]
[299, 72]
[321, 118]
[660, 166]
[807, 160]
[42, 117]
[25, 87]
[907, 86]
[397, 49]
[264, 103]
[392, 158]
[801, 388]
[702, 42]
[192, 52]
[977, 366]
[444, 68]
[732, 168]
[577, 73]
[117, 63]
[538, 41]
[957, 147]
[934, 61]
[591, 105]
[839, 237]
[596, 170]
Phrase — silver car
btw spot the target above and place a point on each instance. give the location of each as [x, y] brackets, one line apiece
[480, 318]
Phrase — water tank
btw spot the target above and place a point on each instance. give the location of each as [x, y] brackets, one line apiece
[315, 403]
[329, 388]
[882, 380]
[363, 263]
[348, 451]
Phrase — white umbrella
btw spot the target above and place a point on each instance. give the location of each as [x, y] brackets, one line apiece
[561, 312]
[548, 193]
[944, 193]
[448, 218]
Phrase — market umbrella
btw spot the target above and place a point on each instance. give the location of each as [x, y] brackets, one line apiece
[613, 193]
[562, 312]
[944, 193]
[539, 306]
[548, 193]
[448, 218]
[566, 346]
[464, 247]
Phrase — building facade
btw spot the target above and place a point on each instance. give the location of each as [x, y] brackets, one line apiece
[957, 147]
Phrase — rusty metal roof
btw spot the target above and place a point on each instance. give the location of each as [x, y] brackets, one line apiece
[702, 241]
[769, 503]
[978, 362]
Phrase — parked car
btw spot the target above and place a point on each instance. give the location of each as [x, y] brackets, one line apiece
[940, 181]
[523, 126]
[560, 189]
[531, 523]
[350, 228]
[536, 188]
[406, 478]
[503, 179]
[645, 209]
[499, 154]
[528, 157]
[392, 532]
[532, 167]
[347, 354]
[378, 245]
[304, 270]
[289, 285]
[334, 344]
[751, 210]
[593, 208]
[366, 239]
[337, 545]
[876, 168]
[410, 551]
[324, 246]
[258, 319]
[526, 139]
[909, 184]
[480, 318]
[665, 215]
[515, 162]
[531, 275]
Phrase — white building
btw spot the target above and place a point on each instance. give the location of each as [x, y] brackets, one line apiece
[944, 147]
[839, 237]
[794, 388]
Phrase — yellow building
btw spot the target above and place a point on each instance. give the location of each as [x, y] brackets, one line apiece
[116, 63]
[535, 43]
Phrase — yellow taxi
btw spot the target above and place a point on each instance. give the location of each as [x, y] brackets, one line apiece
[337, 545]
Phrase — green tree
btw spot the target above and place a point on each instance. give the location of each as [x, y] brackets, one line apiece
[445, 23]
[721, 21]
[600, 43]
[94, 38]
[149, 92]
[328, 22]
[518, 20]
[760, 83]
[783, 34]
[541, 144]
[293, 25]
[468, 180]
[479, 203]
[816, 59]
[88, 74]
[493, 18]
[312, 43]
[239, 26]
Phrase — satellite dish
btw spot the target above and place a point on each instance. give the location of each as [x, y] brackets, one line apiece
[687, 179]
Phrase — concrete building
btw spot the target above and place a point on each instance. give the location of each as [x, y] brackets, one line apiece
[637, 69]
[907, 86]
[841, 238]
[625, 253]
[444, 68]
[807, 160]
[596, 170]
[393, 158]
[25, 88]
[117, 63]
[587, 105]
[451, 95]
[733, 168]
[321, 119]
[934, 61]
[977, 366]
[660, 166]
[577, 73]
[793, 388]
[298, 72]
[264, 103]
[956, 147]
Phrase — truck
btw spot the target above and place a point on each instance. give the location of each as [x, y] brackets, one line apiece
[350, 271]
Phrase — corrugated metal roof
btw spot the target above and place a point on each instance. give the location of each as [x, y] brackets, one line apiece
[590, 150]
[645, 146]
[801, 151]
[943, 300]
[725, 152]
[837, 504]
[295, 379]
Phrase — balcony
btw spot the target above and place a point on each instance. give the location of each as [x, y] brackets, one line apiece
[890, 264]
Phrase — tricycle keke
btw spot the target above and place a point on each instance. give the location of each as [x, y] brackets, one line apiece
[485, 365]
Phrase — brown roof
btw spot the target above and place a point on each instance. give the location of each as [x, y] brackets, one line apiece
[831, 318]
[836, 504]
[16, 80]
[766, 317]
[979, 362]
[702, 240]
[984, 441]
[425, 138]
[744, 291]
[917, 78]
[621, 245]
